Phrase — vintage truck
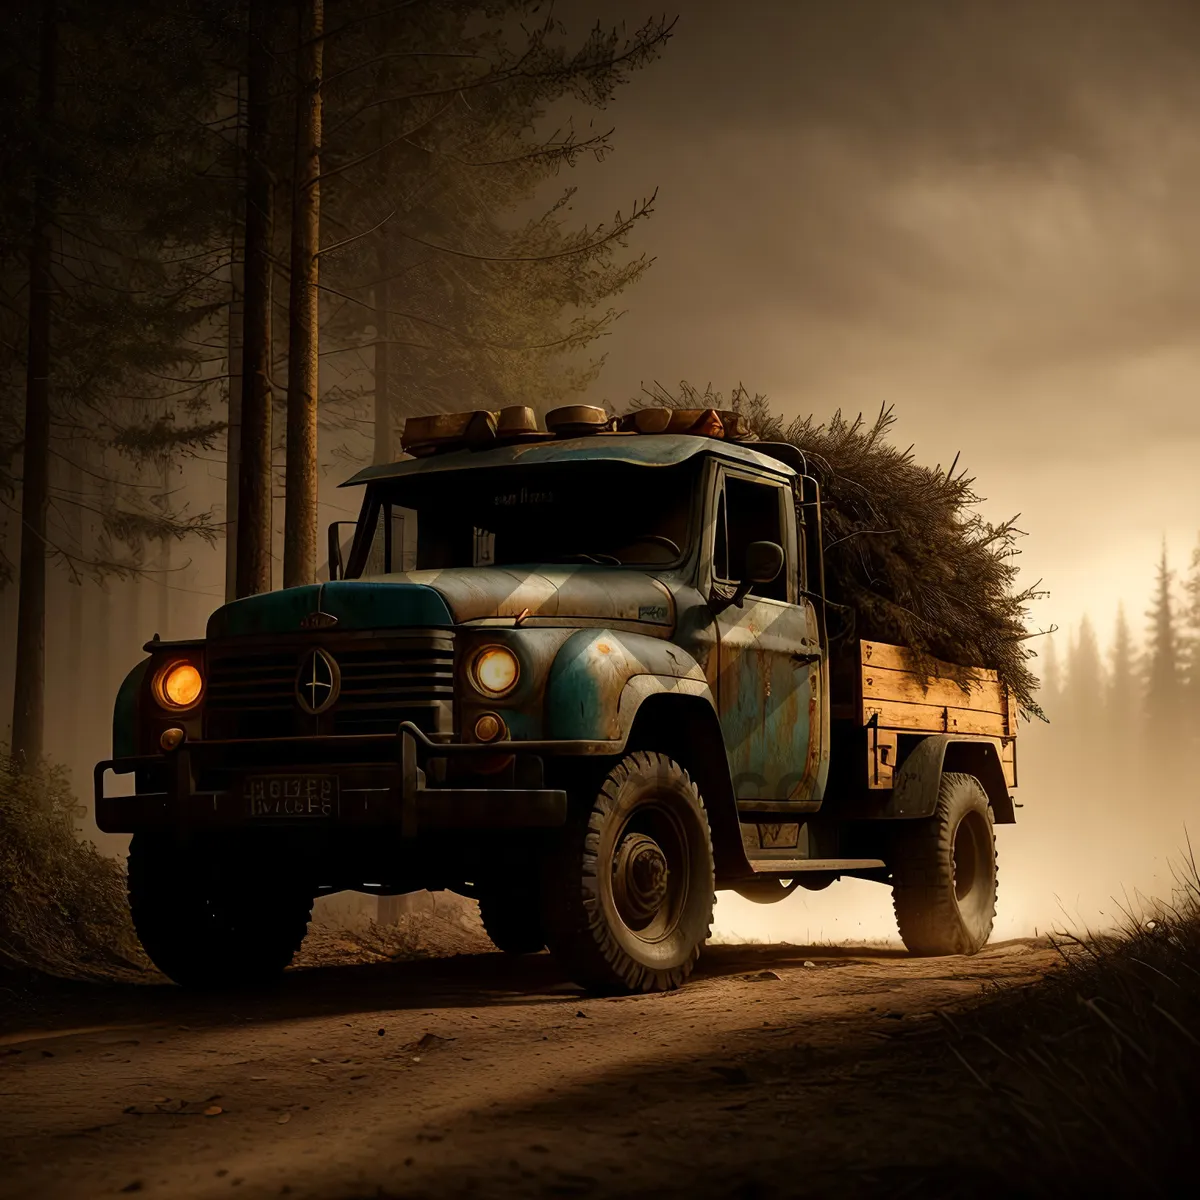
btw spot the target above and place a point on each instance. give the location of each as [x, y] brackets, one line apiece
[580, 673]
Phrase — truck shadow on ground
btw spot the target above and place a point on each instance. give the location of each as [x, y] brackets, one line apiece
[487, 979]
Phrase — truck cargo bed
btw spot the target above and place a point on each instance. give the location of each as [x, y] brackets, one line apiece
[883, 690]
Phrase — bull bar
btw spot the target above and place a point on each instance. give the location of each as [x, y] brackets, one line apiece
[380, 784]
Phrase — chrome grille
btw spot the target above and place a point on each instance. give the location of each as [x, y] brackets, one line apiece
[251, 691]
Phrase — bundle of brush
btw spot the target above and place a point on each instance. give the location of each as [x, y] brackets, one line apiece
[906, 553]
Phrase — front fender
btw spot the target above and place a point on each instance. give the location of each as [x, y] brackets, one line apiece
[599, 679]
[915, 790]
[125, 712]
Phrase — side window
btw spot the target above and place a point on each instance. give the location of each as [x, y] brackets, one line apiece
[721, 541]
[376, 563]
[753, 512]
[393, 545]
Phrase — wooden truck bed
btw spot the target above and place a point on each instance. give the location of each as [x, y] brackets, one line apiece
[894, 699]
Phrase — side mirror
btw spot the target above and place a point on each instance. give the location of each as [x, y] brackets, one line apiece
[337, 568]
[764, 561]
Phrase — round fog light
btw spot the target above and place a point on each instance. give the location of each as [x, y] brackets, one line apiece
[488, 728]
[171, 739]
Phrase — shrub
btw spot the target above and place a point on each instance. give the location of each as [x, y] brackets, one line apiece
[62, 904]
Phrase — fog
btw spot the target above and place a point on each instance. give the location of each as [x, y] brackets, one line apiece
[980, 213]
[983, 214]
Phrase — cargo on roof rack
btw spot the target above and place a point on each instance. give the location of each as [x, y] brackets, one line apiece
[480, 428]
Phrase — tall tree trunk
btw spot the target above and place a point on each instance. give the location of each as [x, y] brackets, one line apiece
[384, 357]
[162, 618]
[78, 675]
[29, 694]
[300, 476]
[234, 337]
[254, 488]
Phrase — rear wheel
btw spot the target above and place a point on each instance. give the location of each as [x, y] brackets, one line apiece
[628, 893]
[211, 914]
[944, 872]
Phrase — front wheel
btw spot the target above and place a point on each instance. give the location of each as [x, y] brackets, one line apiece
[944, 872]
[213, 914]
[628, 892]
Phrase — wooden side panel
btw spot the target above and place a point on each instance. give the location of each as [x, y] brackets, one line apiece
[933, 718]
[894, 695]
[899, 658]
[880, 683]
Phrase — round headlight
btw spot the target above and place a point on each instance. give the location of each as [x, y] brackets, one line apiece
[178, 686]
[495, 671]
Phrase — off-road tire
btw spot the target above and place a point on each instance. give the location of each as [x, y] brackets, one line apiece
[212, 915]
[944, 875]
[512, 918]
[595, 873]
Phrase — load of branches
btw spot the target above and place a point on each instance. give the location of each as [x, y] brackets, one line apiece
[62, 903]
[908, 557]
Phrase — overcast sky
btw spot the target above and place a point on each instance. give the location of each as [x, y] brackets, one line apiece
[984, 213]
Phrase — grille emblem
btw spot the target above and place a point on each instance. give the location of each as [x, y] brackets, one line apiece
[317, 682]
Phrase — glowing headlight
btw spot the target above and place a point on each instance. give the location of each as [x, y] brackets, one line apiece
[178, 686]
[495, 671]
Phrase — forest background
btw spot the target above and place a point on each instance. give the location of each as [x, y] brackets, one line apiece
[157, 170]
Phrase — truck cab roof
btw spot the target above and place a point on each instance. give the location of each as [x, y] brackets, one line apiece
[638, 449]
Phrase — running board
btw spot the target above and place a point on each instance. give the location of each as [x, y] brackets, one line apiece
[794, 866]
[774, 810]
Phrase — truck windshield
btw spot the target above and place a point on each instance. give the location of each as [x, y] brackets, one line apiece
[602, 513]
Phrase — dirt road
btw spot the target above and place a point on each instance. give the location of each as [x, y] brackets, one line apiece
[777, 1071]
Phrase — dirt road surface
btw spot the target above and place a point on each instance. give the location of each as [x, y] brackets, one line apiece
[777, 1071]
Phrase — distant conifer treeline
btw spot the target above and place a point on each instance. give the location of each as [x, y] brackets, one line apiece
[1139, 695]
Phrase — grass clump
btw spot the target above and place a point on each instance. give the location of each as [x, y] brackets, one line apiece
[1095, 1072]
[63, 908]
[906, 553]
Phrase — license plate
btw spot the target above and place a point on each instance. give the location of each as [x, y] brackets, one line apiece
[291, 797]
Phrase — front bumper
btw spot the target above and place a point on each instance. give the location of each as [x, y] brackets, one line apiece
[379, 784]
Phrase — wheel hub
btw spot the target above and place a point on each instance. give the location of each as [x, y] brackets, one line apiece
[641, 878]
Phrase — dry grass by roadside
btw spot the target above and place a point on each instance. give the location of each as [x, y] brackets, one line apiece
[63, 909]
[1094, 1073]
[450, 927]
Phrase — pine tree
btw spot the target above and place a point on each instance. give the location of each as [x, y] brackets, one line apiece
[106, 282]
[1190, 639]
[1121, 695]
[1163, 688]
[300, 521]
[436, 121]
[1085, 684]
[1051, 679]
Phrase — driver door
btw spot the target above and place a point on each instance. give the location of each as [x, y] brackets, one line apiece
[768, 675]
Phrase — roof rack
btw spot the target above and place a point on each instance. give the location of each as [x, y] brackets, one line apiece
[477, 429]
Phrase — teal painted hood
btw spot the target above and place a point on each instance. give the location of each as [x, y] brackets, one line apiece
[425, 599]
[356, 604]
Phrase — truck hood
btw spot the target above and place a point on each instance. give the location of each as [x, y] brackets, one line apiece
[425, 599]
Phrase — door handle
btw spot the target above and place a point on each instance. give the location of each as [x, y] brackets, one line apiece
[805, 660]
